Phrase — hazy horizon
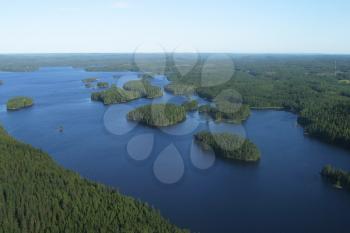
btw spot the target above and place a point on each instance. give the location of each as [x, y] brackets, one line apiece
[184, 53]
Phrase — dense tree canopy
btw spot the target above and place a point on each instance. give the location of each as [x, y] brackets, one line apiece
[237, 116]
[307, 85]
[328, 121]
[190, 105]
[115, 95]
[228, 146]
[158, 115]
[36, 195]
[338, 177]
[19, 102]
[143, 87]
[178, 88]
[102, 84]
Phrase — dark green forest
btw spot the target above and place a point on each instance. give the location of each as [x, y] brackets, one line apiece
[317, 88]
[19, 102]
[190, 105]
[36, 195]
[237, 116]
[338, 177]
[115, 95]
[158, 115]
[228, 146]
[178, 88]
[143, 87]
[102, 84]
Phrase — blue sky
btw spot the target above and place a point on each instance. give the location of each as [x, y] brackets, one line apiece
[241, 26]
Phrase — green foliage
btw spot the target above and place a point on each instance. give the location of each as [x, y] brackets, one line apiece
[291, 82]
[235, 116]
[102, 84]
[329, 121]
[36, 195]
[158, 115]
[228, 146]
[144, 88]
[191, 105]
[306, 85]
[115, 95]
[178, 88]
[19, 102]
[89, 80]
[338, 177]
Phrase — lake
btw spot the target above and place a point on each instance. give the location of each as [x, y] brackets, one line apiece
[284, 192]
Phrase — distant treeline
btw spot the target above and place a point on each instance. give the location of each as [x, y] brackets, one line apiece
[304, 84]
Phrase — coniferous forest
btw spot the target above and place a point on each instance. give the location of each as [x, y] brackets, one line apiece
[158, 115]
[190, 105]
[36, 195]
[115, 95]
[338, 177]
[228, 146]
[19, 102]
[143, 87]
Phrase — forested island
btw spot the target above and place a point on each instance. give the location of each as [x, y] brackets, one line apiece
[102, 84]
[19, 102]
[89, 82]
[190, 105]
[237, 116]
[339, 178]
[297, 83]
[115, 95]
[228, 146]
[39, 196]
[178, 88]
[158, 115]
[144, 88]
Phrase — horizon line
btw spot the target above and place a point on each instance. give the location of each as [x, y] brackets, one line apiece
[156, 53]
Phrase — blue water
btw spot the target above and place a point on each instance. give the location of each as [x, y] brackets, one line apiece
[282, 193]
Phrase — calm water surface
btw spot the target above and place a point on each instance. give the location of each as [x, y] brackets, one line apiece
[282, 193]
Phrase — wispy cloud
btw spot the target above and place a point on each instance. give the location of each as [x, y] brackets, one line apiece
[121, 4]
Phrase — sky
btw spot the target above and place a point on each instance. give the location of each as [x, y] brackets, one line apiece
[123, 26]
